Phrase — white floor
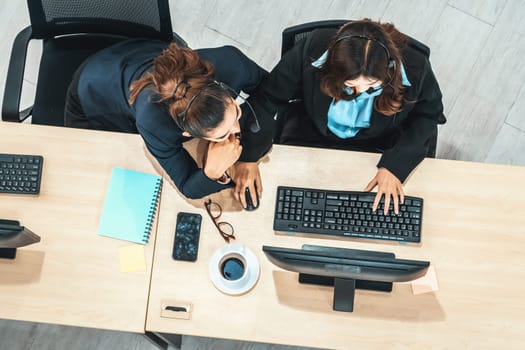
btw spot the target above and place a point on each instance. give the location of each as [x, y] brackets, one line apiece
[477, 56]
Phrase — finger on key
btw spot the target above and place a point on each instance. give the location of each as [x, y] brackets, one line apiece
[387, 203]
[396, 204]
[377, 199]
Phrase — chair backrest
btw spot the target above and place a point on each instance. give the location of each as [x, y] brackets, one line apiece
[72, 30]
[292, 35]
[129, 18]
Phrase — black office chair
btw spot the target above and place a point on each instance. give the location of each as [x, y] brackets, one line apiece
[294, 34]
[71, 31]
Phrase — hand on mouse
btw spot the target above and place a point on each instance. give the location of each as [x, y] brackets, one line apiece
[221, 156]
[247, 175]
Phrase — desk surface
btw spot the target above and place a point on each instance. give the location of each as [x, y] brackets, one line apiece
[473, 233]
[72, 276]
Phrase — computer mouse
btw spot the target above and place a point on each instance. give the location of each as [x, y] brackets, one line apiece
[249, 202]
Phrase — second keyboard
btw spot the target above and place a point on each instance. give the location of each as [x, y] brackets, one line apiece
[20, 173]
[346, 213]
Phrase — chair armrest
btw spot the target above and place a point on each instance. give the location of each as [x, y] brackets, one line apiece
[281, 117]
[15, 78]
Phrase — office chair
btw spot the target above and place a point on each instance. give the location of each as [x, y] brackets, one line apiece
[294, 34]
[71, 31]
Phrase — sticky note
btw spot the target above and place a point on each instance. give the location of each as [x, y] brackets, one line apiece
[427, 283]
[132, 258]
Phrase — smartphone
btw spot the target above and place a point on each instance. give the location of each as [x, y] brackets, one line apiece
[187, 234]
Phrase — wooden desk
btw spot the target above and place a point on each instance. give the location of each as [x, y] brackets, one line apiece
[473, 233]
[72, 276]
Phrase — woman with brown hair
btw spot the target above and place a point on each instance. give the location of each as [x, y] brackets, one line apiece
[362, 88]
[168, 95]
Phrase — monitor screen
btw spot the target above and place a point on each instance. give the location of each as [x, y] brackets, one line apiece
[346, 269]
[13, 236]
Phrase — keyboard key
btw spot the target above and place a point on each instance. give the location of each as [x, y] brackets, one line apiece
[367, 197]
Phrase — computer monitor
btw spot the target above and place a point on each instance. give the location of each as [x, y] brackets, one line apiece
[13, 236]
[346, 269]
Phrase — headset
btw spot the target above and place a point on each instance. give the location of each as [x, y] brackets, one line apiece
[255, 127]
[391, 62]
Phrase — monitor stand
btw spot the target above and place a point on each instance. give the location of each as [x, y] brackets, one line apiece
[7, 253]
[344, 288]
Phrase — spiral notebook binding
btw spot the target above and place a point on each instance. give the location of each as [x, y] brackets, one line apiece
[152, 211]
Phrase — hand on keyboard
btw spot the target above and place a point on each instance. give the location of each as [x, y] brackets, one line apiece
[347, 214]
[389, 186]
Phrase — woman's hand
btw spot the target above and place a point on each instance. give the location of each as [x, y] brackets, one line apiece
[221, 156]
[389, 186]
[247, 175]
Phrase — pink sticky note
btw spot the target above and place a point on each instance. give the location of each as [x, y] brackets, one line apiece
[427, 283]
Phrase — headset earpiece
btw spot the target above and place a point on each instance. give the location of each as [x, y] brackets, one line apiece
[255, 127]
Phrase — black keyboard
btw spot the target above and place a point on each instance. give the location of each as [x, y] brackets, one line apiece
[20, 173]
[346, 213]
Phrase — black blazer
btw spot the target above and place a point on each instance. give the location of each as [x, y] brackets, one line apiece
[103, 89]
[405, 134]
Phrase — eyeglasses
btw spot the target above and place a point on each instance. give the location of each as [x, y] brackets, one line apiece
[225, 228]
[181, 117]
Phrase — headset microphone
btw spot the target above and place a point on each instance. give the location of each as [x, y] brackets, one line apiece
[370, 90]
[255, 127]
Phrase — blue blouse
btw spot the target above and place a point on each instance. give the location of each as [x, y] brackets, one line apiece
[346, 118]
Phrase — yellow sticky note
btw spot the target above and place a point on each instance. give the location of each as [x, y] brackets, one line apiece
[427, 283]
[132, 258]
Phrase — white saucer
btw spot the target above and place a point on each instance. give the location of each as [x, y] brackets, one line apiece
[251, 269]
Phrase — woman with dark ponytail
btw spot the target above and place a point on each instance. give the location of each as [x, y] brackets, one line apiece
[364, 89]
[168, 95]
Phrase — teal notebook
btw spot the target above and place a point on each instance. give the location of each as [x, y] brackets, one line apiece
[130, 205]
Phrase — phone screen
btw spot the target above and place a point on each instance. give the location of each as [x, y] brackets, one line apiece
[187, 233]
